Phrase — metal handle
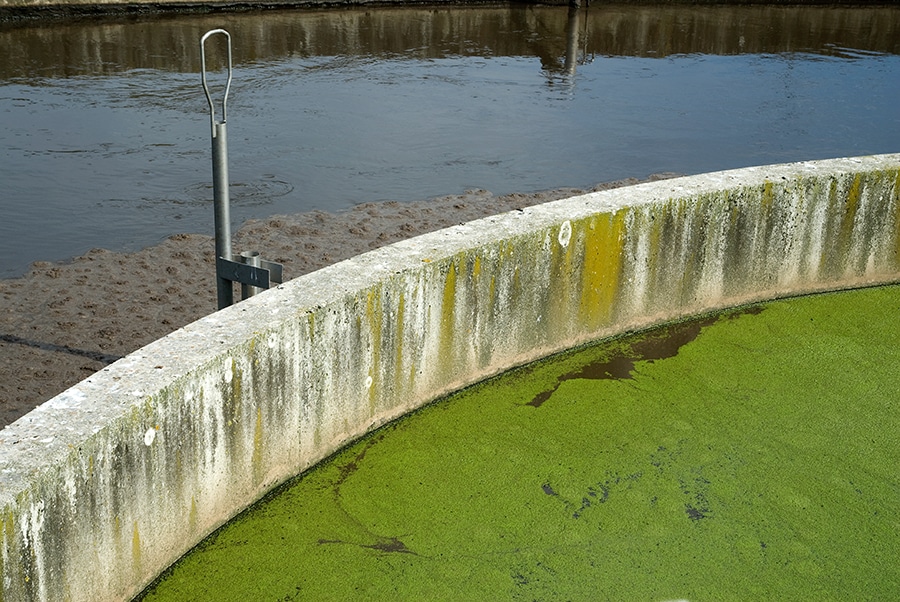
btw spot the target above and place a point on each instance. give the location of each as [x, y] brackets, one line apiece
[212, 109]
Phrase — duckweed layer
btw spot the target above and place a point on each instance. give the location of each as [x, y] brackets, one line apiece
[753, 455]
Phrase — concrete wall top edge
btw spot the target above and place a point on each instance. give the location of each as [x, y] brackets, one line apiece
[45, 436]
[137, 463]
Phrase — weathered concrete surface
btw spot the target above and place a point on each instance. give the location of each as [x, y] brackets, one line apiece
[106, 484]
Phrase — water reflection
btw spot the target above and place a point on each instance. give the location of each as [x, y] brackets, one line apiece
[557, 35]
[563, 69]
[104, 127]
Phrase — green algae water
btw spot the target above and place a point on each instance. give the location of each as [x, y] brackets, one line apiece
[749, 455]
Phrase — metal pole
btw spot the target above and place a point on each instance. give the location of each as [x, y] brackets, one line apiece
[250, 258]
[221, 202]
[222, 208]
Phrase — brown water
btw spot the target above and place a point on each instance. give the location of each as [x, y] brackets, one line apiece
[104, 130]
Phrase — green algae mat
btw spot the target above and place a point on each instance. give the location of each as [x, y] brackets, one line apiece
[749, 455]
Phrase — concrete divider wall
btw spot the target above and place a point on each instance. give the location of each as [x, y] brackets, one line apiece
[108, 483]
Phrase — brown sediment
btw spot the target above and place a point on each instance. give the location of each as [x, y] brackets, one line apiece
[62, 322]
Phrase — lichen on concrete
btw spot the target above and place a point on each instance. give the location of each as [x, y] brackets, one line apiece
[148, 455]
[696, 461]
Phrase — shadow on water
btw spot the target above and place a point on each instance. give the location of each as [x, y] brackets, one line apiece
[658, 344]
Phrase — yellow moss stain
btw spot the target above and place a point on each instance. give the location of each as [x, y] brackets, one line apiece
[311, 324]
[602, 268]
[373, 314]
[9, 525]
[257, 459]
[4, 535]
[654, 237]
[832, 192]
[136, 548]
[851, 206]
[448, 311]
[735, 207]
[768, 196]
[192, 515]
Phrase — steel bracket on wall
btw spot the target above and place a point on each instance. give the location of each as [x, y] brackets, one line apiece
[249, 269]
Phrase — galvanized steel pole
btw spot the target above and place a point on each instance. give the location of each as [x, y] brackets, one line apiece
[250, 258]
[221, 202]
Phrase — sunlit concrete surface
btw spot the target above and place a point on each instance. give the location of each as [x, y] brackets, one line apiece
[108, 483]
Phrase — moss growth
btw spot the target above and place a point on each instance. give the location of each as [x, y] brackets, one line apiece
[753, 458]
[768, 196]
[848, 219]
[448, 315]
[136, 549]
[604, 236]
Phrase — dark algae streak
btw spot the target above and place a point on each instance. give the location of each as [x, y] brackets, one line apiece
[662, 343]
[746, 456]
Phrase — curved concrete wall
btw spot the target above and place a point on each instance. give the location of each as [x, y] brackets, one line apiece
[108, 483]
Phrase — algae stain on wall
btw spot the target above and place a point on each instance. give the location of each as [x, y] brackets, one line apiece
[603, 238]
[448, 320]
[861, 208]
[663, 254]
[483, 306]
[850, 208]
[136, 550]
[663, 466]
